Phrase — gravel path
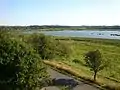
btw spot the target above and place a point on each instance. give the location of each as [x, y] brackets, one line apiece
[61, 79]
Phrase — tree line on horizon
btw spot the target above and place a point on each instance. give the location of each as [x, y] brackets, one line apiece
[56, 26]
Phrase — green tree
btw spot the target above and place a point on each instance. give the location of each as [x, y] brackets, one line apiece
[43, 45]
[94, 60]
[20, 66]
[48, 47]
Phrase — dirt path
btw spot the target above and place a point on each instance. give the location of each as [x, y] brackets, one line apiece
[61, 79]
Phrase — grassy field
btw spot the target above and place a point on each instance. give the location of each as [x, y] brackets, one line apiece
[110, 52]
[102, 82]
[75, 64]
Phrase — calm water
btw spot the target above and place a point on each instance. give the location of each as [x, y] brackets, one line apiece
[84, 33]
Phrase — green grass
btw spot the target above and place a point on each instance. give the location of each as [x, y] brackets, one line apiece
[110, 51]
[102, 83]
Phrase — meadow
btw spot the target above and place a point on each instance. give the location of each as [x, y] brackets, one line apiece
[110, 53]
[109, 49]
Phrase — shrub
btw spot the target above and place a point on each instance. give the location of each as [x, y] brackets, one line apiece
[76, 61]
[20, 66]
[62, 49]
[48, 47]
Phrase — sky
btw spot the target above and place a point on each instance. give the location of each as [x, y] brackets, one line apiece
[59, 12]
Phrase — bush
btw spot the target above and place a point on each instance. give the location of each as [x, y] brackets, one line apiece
[48, 47]
[20, 66]
[76, 61]
[62, 49]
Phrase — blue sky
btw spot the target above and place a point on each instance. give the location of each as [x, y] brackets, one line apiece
[59, 12]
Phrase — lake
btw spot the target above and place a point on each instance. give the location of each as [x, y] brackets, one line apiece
[83, 33]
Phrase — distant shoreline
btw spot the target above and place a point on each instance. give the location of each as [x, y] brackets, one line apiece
[59, 28]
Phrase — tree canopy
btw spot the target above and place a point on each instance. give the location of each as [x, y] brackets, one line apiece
[48, 47]
[94, 60]
[20, 65]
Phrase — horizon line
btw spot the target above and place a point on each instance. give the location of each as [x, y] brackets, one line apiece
[58, 25]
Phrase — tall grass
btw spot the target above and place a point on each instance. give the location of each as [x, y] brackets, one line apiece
[108, 48]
